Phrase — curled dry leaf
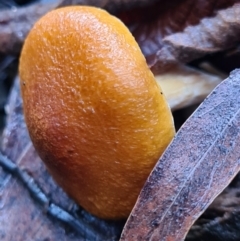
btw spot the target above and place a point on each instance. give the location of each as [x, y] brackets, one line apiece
[210, 36]
[184, 86]
[199, 163]
[152, 23]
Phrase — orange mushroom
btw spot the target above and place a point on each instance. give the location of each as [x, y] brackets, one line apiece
[93, 109]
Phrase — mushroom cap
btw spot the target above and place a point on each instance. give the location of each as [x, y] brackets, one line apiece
[94, 112]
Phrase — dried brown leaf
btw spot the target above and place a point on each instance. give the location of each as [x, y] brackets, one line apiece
[184, 86]
[210, 36]
[152, 23]
[200, 162]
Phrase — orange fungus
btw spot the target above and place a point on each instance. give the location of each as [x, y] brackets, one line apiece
[94, 112]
